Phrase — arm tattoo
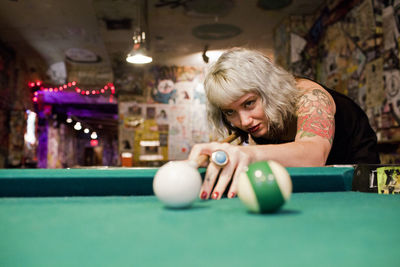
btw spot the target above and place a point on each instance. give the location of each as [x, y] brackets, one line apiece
[316, 115]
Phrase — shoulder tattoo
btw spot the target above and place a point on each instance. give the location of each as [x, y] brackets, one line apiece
[315, 111]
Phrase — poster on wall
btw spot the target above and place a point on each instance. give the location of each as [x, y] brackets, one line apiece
[392, 89]
[172, 120]
[391, 32]
[180, 133]
[131, 117]
[375, 92]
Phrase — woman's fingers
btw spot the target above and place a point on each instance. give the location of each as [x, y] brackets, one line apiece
[224, 178]
[242, 167]
[209, 181]
[218, 178]
[230, 173]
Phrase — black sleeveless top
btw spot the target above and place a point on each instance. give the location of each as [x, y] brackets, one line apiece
[355, 141]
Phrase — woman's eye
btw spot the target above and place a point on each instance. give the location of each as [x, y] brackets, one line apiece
[249, 103]
[228, 112]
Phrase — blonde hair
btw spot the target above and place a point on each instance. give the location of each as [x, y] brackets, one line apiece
[239, 71]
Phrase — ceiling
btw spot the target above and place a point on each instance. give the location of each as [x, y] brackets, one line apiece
[91, 38]
[45, 30]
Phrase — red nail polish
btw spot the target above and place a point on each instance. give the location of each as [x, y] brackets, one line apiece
[232, 195]
[215, 195]
[203, 195]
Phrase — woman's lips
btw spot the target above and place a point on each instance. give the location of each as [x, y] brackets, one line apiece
[254, 129]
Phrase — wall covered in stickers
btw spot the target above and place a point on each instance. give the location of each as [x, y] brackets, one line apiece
[166, 117]
[353, 48]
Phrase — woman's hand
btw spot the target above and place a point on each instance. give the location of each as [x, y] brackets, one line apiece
[220, 177]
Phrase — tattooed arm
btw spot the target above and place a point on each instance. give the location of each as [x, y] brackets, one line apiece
[316, 113]
[316, 123]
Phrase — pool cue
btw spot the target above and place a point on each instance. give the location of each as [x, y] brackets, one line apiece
[203, 157]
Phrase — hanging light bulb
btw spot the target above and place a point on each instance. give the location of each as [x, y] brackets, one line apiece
[139, 53]
[78, 126]
[93, 135]
[86, 130]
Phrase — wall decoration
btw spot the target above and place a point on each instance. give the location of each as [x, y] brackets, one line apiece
[392, 85]
[375, 94]
[391, 32]
[353, 47]
[165, 92]
[173, 117]
[297, 44]
[129, 81]
[360, 22]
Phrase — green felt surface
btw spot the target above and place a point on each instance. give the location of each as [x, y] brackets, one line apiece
[313, 229]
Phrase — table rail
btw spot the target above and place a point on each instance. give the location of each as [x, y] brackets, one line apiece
[138, 181]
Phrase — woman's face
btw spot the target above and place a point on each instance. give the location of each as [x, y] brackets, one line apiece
[247, 114]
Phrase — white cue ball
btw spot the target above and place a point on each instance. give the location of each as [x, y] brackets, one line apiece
[177, 184]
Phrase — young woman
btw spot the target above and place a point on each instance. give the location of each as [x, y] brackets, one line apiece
[294, 121]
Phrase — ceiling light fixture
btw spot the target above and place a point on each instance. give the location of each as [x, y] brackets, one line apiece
[139, 52]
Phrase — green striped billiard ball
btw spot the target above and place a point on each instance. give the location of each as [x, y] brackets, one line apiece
[264, 187]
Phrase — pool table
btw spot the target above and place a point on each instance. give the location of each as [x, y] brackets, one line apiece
[110, 217]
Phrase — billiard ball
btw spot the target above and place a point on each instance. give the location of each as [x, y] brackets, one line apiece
[264, 187]
[177, 184]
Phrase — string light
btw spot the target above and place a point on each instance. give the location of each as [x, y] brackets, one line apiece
[79, 126]
[109, 87]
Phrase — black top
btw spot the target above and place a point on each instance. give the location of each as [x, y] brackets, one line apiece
[354, 141]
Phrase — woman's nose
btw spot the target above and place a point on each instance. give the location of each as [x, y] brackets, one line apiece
[245, 119]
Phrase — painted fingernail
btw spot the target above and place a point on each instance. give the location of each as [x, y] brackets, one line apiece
[232, 194]
[203, 195]
[215, 195]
